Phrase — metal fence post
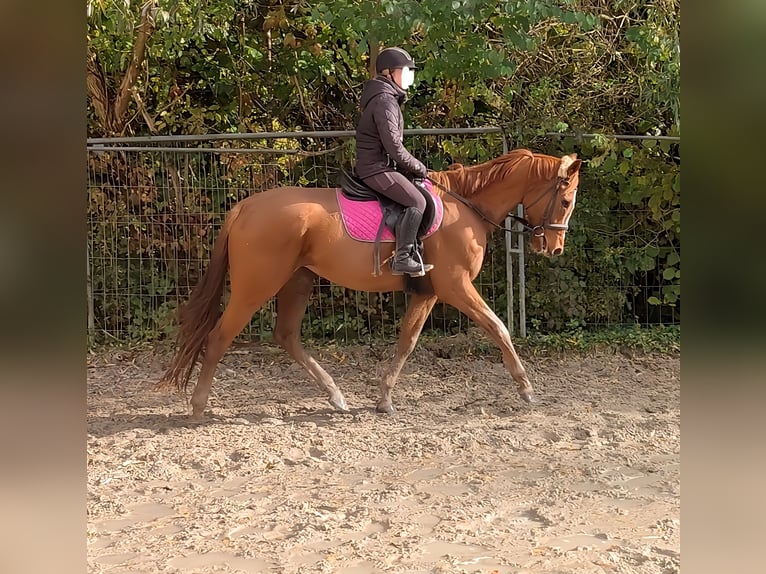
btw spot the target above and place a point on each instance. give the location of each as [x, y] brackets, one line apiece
[510, 250]
[89, 293]
[508, 263]
[522, 282]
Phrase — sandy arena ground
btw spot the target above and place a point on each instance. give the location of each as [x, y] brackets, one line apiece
[464, 478]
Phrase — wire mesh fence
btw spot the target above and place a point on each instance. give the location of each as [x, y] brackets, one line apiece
[156, 204]
[155, 208]
[621, 265]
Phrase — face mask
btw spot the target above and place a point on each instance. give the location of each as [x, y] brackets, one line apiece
[408, 78]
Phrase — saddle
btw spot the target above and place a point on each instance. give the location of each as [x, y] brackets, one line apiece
[370, 216]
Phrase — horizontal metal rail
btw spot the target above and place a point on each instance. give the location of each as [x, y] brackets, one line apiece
[615, 137]
[349, 133]
[286, 135]
[260, 150]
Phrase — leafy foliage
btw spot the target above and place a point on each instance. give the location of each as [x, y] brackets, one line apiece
[622, 259]
[237, 65]
[662, 339]
[583, 66]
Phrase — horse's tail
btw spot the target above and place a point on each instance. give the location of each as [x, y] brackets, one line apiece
[201, 312]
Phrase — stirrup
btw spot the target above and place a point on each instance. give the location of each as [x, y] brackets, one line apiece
[411, 273]
[424, 267]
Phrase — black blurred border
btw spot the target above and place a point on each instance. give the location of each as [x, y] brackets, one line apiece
[723, 397]
[42, 287]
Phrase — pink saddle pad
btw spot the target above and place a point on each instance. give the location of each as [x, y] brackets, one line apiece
[362, 218]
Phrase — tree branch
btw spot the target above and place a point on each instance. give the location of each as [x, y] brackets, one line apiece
[145, 29]
[98, 92]
[142, 108]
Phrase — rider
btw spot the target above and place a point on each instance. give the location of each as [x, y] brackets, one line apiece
[383, 161]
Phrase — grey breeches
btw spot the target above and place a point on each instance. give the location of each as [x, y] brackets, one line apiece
[396, 186]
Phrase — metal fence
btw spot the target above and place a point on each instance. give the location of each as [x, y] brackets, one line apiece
[156, 204]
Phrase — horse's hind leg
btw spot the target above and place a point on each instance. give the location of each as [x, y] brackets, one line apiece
[236, 315]
[412, 323]
[250, 289]
[292, 301]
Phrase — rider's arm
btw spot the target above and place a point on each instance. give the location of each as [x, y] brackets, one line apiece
[387, 121]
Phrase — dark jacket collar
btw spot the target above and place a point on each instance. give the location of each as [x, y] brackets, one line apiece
[380, 85]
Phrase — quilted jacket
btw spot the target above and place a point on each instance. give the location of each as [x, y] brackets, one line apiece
[380, 131]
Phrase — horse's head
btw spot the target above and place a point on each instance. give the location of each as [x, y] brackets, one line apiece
[549, 210]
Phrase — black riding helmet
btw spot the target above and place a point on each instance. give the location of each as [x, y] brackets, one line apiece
[393, 58]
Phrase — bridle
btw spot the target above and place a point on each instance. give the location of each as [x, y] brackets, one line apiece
[534, 230]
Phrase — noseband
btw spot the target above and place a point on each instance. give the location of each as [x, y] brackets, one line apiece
[534, 230]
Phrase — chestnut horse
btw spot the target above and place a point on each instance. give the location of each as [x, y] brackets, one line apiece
[277, 242]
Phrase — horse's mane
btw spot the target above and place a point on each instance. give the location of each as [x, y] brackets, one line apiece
[476, 177]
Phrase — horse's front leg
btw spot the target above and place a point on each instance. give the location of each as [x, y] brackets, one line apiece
[463, 296]
[412, 323]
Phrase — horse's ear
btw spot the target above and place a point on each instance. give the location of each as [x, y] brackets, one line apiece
[575, 167]
[455, 166]
[569, 166]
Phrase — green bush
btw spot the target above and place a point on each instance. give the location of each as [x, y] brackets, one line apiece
[534, 68]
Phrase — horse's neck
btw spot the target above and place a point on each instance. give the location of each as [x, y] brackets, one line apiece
[495, 198]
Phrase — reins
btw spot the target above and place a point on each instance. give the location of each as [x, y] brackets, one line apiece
[536, 230]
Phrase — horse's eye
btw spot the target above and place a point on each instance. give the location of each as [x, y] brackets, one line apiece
[565, 203]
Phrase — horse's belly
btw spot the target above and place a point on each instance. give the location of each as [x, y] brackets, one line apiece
[364, 281]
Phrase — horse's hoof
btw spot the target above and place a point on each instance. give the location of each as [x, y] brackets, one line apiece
[528, 397]
[339, 403]
[385, 408]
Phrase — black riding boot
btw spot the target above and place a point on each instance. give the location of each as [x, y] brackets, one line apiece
[407, 259]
